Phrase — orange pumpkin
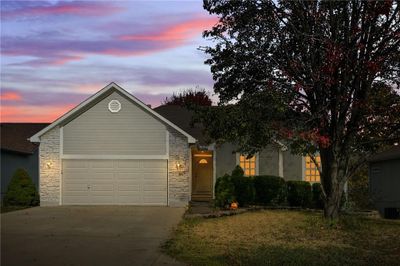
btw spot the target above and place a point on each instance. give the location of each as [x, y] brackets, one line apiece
[234, 205]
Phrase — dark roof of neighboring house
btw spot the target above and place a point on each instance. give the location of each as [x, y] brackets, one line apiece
[14, 136]
[182, 117]
[392, 153]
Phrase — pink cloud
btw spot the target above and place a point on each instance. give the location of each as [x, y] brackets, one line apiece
[64, 8]
[32, 113]
[176, 33]
[57, 51]
[10, 96]
[88, 88]
[52, 61]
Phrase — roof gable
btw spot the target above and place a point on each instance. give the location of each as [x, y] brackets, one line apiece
[85, 105]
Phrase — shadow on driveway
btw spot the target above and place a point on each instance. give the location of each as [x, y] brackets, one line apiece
[87, 235]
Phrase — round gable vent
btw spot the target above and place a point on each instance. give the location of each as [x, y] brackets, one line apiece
[114, 106]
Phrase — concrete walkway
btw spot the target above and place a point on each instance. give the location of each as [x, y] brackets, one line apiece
[87, 235]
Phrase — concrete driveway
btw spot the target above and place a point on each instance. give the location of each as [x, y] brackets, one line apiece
[87, 235]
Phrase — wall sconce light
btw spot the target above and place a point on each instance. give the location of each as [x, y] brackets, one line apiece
[49, 165]
[179, 166]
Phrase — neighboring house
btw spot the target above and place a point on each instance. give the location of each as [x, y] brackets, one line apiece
[114, 149]
[18, 152]
[384, 182]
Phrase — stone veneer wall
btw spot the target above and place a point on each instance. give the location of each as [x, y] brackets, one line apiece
[49, 177]
[178, 180]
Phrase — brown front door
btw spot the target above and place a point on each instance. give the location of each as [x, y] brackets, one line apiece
[202, 175]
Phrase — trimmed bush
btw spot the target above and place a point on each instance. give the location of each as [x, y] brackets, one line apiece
[299, 193]
[243, 186]
[317, 199]
[224, 191]
[269, 190]
[21, 191]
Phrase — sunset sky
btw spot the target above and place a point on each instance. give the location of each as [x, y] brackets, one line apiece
[55, 54]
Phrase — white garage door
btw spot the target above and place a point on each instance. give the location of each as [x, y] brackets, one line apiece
[136, 182]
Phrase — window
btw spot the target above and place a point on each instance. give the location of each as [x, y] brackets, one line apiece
[248, 165]
[312, 173]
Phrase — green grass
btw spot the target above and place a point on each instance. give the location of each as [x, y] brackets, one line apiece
[286, 238]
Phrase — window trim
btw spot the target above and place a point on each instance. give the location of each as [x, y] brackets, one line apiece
[257, 161]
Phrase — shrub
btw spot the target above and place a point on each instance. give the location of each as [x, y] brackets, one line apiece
[21, 191]
[243, 186]
[224, 191]
[269, 190]
[317, 199]
[299, 193]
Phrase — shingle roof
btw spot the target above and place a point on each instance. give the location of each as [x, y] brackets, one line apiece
[14, 136]
[182, 117]
[392, 153]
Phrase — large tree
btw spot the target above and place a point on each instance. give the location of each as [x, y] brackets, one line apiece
[189, 97]
[321, 75]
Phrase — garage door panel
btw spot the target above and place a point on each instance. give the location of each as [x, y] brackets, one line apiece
[102, 187]
[151, 176]
[80, 164]
[102, 171]
[137, 182]
[129, 199]
[100, 177]
[158, 181]
[133, 188]
[154, 164]
[75, 199]
[156, 188]
[75, 187]
[153, 170]
[102, 199]
[128, 164]
[155, 200]
[129, 176]
[102, 164]
[72, 179]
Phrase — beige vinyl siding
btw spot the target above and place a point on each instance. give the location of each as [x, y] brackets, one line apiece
[131, 131]
[269, 161]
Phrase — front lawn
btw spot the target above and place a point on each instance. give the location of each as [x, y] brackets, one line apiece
[286, 238]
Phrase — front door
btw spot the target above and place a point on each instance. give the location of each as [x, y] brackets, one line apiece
[202, 175]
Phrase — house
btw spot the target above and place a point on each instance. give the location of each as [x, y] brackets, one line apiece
[384, 182]
[18, 152]
[114, 149]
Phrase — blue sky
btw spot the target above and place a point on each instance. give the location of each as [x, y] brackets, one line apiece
[54, 54]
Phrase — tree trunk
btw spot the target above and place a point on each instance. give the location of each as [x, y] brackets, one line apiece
[332, 203]
[332, 179]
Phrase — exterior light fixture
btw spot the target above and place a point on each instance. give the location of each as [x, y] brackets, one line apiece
[179, 166]
[49, 165]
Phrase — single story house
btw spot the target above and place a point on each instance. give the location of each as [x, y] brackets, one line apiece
[384, 182]
[18, 152]
[114, 149]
